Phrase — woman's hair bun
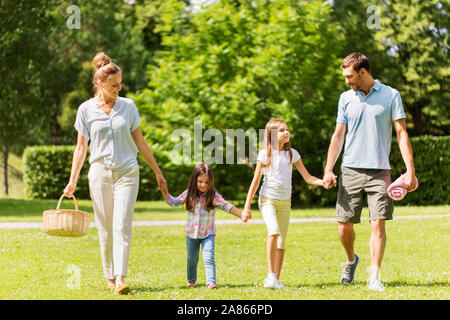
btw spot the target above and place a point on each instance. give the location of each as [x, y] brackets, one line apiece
[101, 59]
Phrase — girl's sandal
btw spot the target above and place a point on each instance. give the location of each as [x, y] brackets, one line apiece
[111, 286]
[122, 289]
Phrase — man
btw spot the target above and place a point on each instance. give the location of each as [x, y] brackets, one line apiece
[366, 112]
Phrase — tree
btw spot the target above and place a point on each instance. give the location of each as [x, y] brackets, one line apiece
[23, 60]
[415, 36]
[125, 31]
[237, 65]
[358, 21]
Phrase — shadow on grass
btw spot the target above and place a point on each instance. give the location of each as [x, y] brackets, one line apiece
[328, 284]
[364, 283]
[143, 289]
[417, 284]
[234, 286]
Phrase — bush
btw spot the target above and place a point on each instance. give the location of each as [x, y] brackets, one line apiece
[431, 160]
[47, 172]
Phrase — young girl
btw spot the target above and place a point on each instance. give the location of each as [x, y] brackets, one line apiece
[275, 163]
[201, 200]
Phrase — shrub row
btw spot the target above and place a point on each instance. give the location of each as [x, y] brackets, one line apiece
[47, 171]
[432, 163]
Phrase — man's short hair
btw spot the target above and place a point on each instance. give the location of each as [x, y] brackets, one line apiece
[357, 61]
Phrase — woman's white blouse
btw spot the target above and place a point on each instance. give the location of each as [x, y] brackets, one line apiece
[110, 136]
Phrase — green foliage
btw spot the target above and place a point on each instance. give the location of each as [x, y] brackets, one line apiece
[414, 34]
[234, 64]
[431, 160]
[408, 51]
[352, 17]
[23, 61]
[103, 27]
[71, 102]
[46, 172]
[237, 65]
[42, 63]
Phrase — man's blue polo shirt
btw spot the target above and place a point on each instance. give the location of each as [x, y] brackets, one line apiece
[369, 125]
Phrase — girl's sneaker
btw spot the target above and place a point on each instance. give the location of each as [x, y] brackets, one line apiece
[191, 284]
[375, 285]
[271, 282]
[212, 286]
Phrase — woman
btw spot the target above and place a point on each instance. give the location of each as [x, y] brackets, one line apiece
[112, 124]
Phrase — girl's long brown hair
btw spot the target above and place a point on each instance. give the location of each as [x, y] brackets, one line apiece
[274, 124]
[193, 194]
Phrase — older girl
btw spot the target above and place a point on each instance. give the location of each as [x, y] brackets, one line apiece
[111, 123]
[275, 162]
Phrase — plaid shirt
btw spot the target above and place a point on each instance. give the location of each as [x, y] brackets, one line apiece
[200, 223]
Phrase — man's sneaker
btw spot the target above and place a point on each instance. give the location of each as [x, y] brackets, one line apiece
[271, 282]
[349, 271]
[212, 286]
[375, 284]
[191, 284]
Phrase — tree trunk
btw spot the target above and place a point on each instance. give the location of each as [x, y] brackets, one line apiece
[53, 131]
[5, 168]
[416, 113]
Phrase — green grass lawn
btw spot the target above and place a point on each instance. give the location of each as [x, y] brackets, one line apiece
[19, 210]
[37, 266]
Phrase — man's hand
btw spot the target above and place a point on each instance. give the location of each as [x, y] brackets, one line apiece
[410, 180]
[329, 180]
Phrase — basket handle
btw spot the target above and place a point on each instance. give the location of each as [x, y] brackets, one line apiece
[71, 196]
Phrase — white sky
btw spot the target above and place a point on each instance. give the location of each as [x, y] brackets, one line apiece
[196, 4]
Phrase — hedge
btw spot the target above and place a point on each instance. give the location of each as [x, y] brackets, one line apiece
[432, 163]
[47, 172]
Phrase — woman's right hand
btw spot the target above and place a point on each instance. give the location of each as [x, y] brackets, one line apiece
[70, 188]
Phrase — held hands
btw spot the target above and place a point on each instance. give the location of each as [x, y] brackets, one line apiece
[164, 191]
[236, 212]
[329, 180]
[246, 215]
[162, 183]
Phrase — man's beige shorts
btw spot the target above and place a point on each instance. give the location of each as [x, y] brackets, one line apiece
[276, 214]
[354, 184]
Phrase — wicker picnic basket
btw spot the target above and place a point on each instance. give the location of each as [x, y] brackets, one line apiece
[66, 223]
